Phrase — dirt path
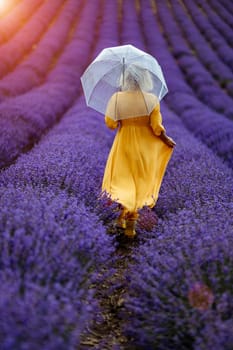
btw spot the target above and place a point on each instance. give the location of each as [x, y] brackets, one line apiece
[107, 334]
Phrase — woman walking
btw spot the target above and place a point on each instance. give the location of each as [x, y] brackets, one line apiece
[140, 151]
[126, 84]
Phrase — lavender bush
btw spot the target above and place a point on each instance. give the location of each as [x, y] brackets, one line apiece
[48, 253]
[211, 34]
[223, 10]
[184, 298]
[227, 6]
[53, 246]
[24, 118]
[210, 127]
[52, 240]
[181, 284]
[216, 20]
[201, 79]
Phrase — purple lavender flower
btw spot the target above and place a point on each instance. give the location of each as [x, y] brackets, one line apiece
[147, 219]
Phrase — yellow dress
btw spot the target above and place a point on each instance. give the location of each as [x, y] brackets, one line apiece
[137, 161]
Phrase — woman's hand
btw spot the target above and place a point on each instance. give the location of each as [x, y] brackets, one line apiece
[166, 139]
[170, 142]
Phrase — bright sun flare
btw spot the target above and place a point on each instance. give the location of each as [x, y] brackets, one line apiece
[3, 4]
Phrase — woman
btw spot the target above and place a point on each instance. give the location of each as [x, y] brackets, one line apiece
[140, 152]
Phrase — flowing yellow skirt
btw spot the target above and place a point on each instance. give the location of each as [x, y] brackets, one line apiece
[136, 165]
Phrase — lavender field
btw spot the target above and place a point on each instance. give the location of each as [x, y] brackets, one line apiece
[68, 280]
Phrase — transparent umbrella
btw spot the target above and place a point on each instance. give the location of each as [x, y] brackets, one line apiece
[122, 71]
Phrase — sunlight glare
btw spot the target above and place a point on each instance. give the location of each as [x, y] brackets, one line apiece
[4, 5]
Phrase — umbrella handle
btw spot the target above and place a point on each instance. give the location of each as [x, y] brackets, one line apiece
[123, 59]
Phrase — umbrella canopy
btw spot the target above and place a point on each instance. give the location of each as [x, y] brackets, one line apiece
[122, 71]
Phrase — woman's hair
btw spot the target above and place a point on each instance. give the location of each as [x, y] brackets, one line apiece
[136, 78]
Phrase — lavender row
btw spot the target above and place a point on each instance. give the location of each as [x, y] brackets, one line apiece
[210, 127]
[181, 285]
[183, 261]
[23, 41]
[189, 106]
[228, 5]
[222, 11]
[65, 158]
[12, 22]
[196, 75]
[131, 33]
[33, 69]
[157, 46]
[36, 65]
[217, 22]
[58, 245]
[183, 54]
[45, 269]
[108, 30]
[77, 54]
[207, 54]
[210, 33]
[72, 138]
[47, 253]
[25, 118]
[46, 194]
